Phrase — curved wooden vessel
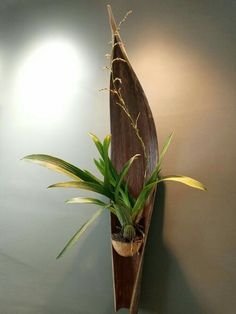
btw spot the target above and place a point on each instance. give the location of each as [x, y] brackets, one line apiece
[127, 271]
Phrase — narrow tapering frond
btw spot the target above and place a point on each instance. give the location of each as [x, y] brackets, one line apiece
[85, 200]
[185, 180]
[93, 187]
[80, 232]
[98, 143]
[107, 174]
[122, 175]
[157, 169]
[61, 166]
[143, 196]
[99, 166]
[165, 147]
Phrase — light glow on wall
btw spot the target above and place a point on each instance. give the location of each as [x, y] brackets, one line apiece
[47, 80]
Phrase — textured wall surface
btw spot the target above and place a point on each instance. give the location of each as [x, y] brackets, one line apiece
[184, 55]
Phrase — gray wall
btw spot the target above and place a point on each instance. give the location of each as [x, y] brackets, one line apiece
[184, 54]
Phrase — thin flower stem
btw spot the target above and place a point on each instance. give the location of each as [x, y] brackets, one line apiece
[124, 19]
[117, 90]
[134, 122]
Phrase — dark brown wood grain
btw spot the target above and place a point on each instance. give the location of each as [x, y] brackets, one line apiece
[127, 271]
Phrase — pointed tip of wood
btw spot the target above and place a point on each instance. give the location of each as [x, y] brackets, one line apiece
[115, 33]
[112, 20]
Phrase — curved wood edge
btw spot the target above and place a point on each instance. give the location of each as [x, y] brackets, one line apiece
[137, 286]
[127, 271]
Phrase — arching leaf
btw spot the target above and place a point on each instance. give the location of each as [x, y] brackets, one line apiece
[80, 232]
[93, 187]
[85, 200]
[185, 180]
[61, 166]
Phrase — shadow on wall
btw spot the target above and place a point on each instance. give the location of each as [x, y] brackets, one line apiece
[165, 289]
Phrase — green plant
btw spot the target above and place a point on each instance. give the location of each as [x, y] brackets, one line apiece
[113, 185]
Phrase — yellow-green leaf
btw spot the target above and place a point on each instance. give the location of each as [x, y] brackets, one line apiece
[84, 186]
[157, 169]
[165, 147]
[98, 143]
[85, 200]
[185, 180]
[61, 166]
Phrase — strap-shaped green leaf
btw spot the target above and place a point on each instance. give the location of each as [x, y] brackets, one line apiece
[126, 189]
[122, 214]
[106, 143]
[140, 202]
[99, 166]
[61, 166]
[185, 180]
[85, 200]
[93, 177]
[80, 232]
[113, 173]
[124, 198]
[93, 187]
[107, 175]
[157, 169]
[101, 162]
[104, 164]
[123, 173]
[97, 143]
[165, 148]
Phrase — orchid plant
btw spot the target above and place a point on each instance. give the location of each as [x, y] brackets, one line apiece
[112, 184]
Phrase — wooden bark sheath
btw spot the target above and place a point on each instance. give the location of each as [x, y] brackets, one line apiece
[127, 271]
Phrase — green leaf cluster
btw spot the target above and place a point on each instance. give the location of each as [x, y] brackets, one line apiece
[112, 185]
